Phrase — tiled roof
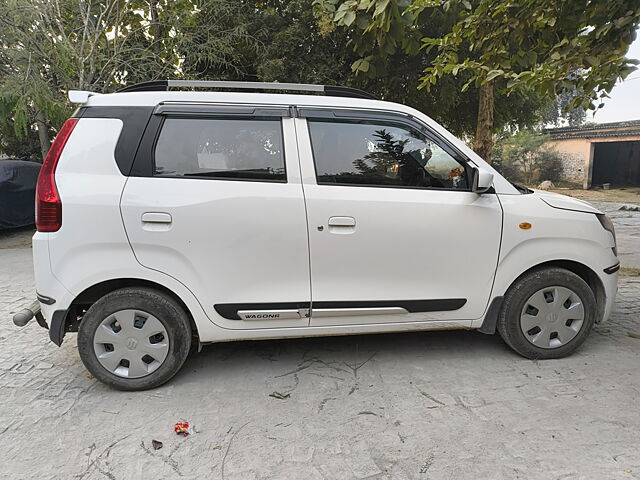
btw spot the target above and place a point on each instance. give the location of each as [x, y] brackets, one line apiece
[614, 129]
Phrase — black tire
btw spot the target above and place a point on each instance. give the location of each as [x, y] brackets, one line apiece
[523, 288]
[164, 308]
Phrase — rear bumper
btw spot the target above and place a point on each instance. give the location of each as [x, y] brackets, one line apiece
[54, 299]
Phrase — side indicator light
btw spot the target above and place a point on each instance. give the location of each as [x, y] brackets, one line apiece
[525, 225]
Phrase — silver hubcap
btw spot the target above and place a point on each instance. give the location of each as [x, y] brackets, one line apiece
[552, 317]
[131, 343]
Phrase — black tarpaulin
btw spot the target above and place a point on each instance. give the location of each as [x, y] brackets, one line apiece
[17, 193]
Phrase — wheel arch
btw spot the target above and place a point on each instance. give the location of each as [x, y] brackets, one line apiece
[583, 271]
[587, 274]
[90, 295]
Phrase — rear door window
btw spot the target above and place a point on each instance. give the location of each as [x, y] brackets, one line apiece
[223, 148]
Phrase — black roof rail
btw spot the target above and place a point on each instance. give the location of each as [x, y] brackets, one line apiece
[330, 90]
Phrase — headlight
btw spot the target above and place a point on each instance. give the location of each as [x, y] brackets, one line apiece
[607, 224]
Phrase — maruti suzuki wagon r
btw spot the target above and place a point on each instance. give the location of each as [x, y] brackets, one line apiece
[171, 218]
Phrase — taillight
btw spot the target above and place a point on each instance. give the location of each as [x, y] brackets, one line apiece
[48, 203]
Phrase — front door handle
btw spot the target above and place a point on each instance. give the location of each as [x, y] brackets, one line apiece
[156, 217]
[342, 222]
[342, 225]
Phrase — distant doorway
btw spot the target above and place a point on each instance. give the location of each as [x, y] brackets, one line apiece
[617, 163]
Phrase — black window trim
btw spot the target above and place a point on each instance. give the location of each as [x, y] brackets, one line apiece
[347, 115]
[144, 163]
[367, 114]
[217, 111]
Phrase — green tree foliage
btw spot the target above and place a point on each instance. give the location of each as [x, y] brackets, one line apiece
[525, 46]
[525, 158]
[25, 147]
[561, 113]
[276, 41]
[288, 41]
[541, 45]
[51, 46]
[385, 47]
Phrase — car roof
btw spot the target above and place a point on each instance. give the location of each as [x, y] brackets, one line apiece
[154, 98]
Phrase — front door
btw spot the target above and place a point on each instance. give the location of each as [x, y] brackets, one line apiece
[395, 233]
[215, 203]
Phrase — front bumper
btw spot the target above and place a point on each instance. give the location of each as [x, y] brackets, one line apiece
[610, 284]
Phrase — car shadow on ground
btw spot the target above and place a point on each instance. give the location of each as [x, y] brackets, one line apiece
[431, 353]
[278, 357]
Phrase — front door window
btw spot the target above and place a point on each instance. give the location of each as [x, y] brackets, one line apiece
[376, 153]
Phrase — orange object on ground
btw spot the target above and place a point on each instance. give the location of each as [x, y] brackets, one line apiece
[181, 428]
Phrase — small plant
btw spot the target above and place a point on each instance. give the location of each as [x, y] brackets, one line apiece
[525, 158]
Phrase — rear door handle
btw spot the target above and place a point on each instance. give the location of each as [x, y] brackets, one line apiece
[156, 217]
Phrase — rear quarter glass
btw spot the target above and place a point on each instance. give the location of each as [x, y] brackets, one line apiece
[134, 119]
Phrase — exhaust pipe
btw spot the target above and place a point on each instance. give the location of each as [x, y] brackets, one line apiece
[23, 317]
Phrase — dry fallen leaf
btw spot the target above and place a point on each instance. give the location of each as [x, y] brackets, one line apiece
[280, 396]
[634, 335]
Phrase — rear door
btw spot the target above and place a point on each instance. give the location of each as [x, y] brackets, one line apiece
[395, 232]
[215, 201]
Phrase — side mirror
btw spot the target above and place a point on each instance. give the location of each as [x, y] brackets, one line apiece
[482, 180]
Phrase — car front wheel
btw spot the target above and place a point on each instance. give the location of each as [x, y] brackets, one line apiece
[134, 338]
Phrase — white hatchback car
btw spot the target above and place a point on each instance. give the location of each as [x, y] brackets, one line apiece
[169, 219]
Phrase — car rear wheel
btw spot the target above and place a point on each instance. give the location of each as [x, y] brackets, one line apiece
[134, 338]
[547, 313]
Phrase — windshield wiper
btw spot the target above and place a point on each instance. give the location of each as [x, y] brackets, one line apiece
[521, 188]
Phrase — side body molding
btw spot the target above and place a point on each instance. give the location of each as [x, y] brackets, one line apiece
[297, 310]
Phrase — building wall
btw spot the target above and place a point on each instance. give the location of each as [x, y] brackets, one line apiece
[577, 156]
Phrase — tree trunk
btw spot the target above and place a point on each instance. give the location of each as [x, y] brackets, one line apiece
[156, 27]
[483, 142]
[43, 133]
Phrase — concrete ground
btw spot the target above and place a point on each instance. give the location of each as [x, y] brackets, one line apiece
[625, 194]
[434, 405]
[626, 218]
